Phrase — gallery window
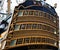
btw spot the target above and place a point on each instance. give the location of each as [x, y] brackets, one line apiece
[16, 27]
[36, 13]
[26, 40]
[55, 43]
[28, 26]
[30, 12]
[55, 32]
[22, 26]
[54, 20]
[13, 42]
[20, 13]
[19, 41]
[39, 26]
[48, 16]
[43, 27]
[43, 39]
[38, 39]
[26, 13]
[44, 14]
[34, 26]
[40, 13]
[33, 39]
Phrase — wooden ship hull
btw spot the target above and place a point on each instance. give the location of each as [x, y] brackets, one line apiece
[33, 27]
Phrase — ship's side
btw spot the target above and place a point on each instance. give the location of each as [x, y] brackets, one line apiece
[33, 27]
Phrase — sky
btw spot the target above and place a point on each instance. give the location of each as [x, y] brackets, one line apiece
[14, 3]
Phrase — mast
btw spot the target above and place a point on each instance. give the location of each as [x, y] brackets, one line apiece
[8, 6]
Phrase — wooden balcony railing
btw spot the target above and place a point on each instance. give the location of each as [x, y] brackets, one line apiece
[33, 40]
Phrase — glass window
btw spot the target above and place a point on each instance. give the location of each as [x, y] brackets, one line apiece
[26, 40]
[31, 13]
[28, 26]
[36, 13]
[33, 39]
[10, 35]
[13, 42]
[55, 32]
[57, 18]
[22, 26]
[43, 27]
[55, 43]
[39, 26]
[20, 13]
[44, 14]
[25, 12]
[38, 39]
[19, 41]
[16, 27]
[54, 20]
[43, 39]
[40, 13]
[52, 30]
[48, 16]
[34, 26]
[47, 28]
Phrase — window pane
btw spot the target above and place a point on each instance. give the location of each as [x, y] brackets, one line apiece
[20, 13]
[25, 12]
[34, 26]
[44, 14]
[36, 13]
[40, 13]
[26, 40]
[54, 20]
[19, 41]
[13, 42]
[31, 13]
[43, 27]
[55, 43]
[38, 39]
[22, 26]
[55, 32]
[28, 26]
[33, 40]
[39, 26]
[43, 39]
[16, 27]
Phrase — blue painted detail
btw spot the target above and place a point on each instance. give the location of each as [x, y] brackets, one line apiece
[41, 8]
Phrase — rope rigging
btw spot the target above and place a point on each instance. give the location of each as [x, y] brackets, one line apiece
[4, 24]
